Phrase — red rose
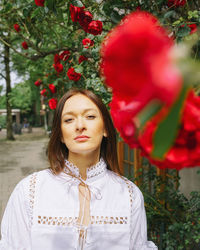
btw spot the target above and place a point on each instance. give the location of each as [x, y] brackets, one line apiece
[176, 3]
[39, 3]
[75, 12]
[53, 103]
[85, 17]
[58, 67]
[25, 45]
[43, 92]
[193, 28]
[65, 55]
[38, 83]
[82, 58]
[123, 121]
[95, 27]
[87, 43]
[52, 88]
[16, 27]
[56, 58]
[73, 75]
[136, 62]
[186, 149]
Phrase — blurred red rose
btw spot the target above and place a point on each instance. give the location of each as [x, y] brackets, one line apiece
[82, 58]
[137, 64]
[25, 45]
[65, 55]
[75, 12]
[43, 92]
[87, 42]
[95, 27]
[52, 88]
[176, 3]
[193, 28]
[53, 103]
[186, 149]
[58, 67]
[73, 75]
[123, 121]
[16, 27]
[39, 3]
[56, 58]
[85, 17]
[38, 83]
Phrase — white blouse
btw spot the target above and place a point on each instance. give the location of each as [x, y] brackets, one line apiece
[42, 213]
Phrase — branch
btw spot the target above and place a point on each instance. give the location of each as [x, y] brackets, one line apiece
[2, 76]
[41, 54]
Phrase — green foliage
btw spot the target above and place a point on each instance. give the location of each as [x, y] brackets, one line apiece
[173, 219]
[2, 121]
[2, 102]
[20, 97]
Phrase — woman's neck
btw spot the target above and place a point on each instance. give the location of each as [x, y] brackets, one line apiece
[84, 161]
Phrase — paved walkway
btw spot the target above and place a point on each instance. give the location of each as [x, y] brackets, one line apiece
[20, 158]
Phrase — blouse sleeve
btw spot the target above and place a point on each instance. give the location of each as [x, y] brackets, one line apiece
[138, 240]
[15, 224]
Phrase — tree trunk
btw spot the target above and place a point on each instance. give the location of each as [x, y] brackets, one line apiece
[8, 91]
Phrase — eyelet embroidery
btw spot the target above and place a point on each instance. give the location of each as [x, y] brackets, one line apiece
[97, 169]
[92, 171]
[57, 221]
[32, 195]
[70, 221]
[108, 220]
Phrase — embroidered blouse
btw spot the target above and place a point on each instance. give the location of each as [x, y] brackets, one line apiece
[43, 212]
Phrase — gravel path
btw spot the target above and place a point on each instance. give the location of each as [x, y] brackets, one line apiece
[20, 158]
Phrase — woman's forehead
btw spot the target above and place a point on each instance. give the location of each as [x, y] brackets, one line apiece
[80, 103]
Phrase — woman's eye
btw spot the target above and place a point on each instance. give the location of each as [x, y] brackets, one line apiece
[91, 116]
[68, 120]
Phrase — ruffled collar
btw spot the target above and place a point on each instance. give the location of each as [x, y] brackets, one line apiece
[94, 172]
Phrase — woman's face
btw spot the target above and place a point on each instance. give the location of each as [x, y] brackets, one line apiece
[81, 117]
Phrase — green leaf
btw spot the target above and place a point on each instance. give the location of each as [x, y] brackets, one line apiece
[167, 130]
[183, 31]
[50, 4]
[78, 69]
[8, 7]
[36, 12]
[170, 13]
[115, 17]
[148, 112]
[77, 3]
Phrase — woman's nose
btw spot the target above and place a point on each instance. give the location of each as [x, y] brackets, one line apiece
[80, 124]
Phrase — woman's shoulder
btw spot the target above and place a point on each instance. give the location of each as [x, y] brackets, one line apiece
[32, 178]
[133, 189]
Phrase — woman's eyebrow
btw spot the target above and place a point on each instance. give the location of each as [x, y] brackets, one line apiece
[83, 111]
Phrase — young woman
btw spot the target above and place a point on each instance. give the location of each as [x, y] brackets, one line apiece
[81, 201]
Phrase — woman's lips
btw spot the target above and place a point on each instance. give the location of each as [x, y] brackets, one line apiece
[81, 138]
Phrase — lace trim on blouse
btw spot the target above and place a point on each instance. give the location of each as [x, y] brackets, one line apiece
[92, 171]
[72, 221]
[32, 185]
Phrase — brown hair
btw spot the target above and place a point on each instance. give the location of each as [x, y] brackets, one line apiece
[58, 152]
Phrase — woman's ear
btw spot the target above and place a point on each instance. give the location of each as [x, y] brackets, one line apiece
[104, 134]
